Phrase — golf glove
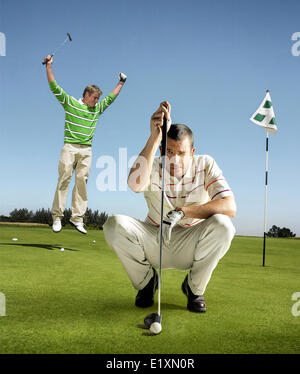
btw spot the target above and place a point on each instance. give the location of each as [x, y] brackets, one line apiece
[171, 220]
[122, 77]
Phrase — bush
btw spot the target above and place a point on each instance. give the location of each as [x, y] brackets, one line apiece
[277, 232]
[42, 216]
[21, 215]
[95, 218]
[4, 219]
[66, 218]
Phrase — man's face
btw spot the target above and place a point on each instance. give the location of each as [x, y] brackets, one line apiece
[91, 99]
[179, 155]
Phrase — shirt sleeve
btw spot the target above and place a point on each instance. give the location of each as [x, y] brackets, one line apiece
[59, 93]
[215, 183]
[105, 103]
[153, 183]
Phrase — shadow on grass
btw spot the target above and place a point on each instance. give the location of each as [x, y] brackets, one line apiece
[49, 247]
[124, 306]
[167, 306]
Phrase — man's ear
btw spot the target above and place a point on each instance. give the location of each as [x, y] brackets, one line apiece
[193, 151]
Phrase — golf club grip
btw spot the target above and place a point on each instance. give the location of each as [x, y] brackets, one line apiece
[164, 137]
[45, 62]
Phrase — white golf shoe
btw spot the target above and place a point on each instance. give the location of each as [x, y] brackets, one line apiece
[56, 227]
[79, 226]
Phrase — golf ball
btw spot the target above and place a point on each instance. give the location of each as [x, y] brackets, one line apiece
[62, 249]
[155, 328]
[94, 241]
[14, 239]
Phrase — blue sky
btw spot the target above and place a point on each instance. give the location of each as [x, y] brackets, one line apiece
[212, 60]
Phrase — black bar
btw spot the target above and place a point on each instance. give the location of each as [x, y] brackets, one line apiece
[195, 362]
[267, 144]
[266, 177]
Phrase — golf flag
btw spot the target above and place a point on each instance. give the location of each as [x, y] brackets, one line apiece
[264, 116]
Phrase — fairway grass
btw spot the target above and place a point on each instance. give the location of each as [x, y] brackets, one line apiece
[81, 300]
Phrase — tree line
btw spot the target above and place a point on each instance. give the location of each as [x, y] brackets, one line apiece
[277, 232]
[96, 219]
[93, 219]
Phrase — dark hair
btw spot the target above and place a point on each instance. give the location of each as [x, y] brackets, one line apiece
[178, 132]
[90, 89]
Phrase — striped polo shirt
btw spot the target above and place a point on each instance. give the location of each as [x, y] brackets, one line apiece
[80, 118]
[202, 182]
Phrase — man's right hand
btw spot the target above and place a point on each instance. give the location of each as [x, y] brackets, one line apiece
[48, 60]
[156, 122]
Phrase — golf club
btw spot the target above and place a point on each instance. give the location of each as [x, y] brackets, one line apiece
[67, 38]
[153, 321]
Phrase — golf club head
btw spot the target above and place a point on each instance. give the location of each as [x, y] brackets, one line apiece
[68, 38]
[151, 318]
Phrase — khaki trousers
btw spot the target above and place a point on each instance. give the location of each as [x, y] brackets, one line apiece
[78, 158]
[198, 248]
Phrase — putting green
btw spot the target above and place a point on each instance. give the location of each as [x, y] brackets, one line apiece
[81, 300]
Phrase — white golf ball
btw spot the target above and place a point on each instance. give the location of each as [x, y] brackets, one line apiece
[94, 241]
[14, 239]
[62, 249]
[155, 328]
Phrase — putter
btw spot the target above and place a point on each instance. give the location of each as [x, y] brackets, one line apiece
[153, 321]
[67, 38]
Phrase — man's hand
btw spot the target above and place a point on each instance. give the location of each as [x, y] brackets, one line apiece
[122, 77]
[157, 117]
[139, 174]
[172, 218]
[48, 60]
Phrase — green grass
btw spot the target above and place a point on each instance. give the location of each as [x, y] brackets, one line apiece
[81, 300]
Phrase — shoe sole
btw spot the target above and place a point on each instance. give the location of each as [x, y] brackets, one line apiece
[84, 233]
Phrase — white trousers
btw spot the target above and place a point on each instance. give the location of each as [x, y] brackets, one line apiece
[198, 248]
[78, 158]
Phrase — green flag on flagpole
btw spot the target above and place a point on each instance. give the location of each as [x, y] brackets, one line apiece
[264, 116]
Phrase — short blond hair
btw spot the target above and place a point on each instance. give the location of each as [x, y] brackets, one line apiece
[91, 88]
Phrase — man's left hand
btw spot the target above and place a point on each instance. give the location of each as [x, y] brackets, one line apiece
[172, 218]
[122, 77]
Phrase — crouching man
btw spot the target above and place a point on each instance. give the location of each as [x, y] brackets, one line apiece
[197, 229]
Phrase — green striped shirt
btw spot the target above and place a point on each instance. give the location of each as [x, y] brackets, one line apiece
[80, 119]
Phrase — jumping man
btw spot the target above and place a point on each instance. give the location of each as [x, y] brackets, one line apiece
[81, 118]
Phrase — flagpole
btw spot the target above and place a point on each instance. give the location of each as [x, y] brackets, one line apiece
[266, 195]
[265, 117]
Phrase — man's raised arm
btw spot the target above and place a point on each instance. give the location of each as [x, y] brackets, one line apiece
[49, 71]
[121, 83]
[140, 172]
